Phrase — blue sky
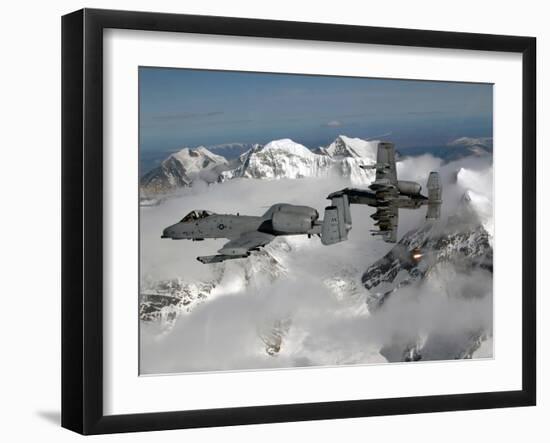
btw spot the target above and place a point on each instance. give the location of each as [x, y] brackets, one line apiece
[181, 107]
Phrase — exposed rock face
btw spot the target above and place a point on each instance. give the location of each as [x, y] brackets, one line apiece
[435, 347]
[165, 300]
[288, 159]
[273, 335]
[461, 244]
[278, 159]
[180, 169]
[467, 249]
[477, 146]
[347, 147]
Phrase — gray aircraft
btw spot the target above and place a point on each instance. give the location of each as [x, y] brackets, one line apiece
[388, 194]
[249, 233]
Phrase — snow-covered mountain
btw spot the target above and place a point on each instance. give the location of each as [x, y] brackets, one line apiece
[349, 153]
[283, 158]
[165, 300]
[347, 147]
[288, 159]
[460, 246]
[230, 150]
[357, 284]
[460, 243]
[478, 146]
[181, 168]
[278, 159]
[466, 245]
[454, 150]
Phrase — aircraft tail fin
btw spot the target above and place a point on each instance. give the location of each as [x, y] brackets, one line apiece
[337, 221]
[434, 197]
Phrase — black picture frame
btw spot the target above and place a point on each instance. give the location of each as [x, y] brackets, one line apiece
[82, 218]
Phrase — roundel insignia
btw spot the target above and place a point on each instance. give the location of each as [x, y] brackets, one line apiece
[221, 226]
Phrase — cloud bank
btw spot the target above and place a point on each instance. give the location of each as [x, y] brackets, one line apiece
[320, 298]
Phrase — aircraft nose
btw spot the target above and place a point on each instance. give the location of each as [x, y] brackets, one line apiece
[166, 233]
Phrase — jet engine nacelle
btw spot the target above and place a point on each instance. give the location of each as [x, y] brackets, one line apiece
[407, 187]
[302, 210]
[292, 222]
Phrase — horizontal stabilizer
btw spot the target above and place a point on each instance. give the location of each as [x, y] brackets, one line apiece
[208, 259]
[384, 167]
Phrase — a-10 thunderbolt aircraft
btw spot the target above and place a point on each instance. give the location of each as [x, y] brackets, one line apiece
[249, 233]
[388, 194]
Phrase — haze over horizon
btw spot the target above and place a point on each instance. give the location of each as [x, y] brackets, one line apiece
[187, 108]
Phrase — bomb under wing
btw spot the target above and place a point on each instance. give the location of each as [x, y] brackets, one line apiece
[249, 233]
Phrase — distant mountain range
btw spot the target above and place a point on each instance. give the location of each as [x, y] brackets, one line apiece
[277, 159]
[454, 150]
[286, 158]
[230, 150]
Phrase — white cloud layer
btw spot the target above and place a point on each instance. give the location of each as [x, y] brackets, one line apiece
[325, 328]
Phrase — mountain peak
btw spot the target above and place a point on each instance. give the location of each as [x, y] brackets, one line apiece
[181, 168]
[348, 140]
[288, 146]
[344, 146]
[282, 158]
[480, 146]
[472, 141]
[194, 160]
[188, 154]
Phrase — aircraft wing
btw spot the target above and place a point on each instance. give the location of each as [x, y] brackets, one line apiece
[385, 164]
[386, 220]
[245, 243]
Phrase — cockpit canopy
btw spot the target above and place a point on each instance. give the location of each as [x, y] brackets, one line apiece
[196, 215]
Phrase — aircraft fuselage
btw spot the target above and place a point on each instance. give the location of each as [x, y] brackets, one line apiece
[280, 219]
[370, 198]
[215, 226]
